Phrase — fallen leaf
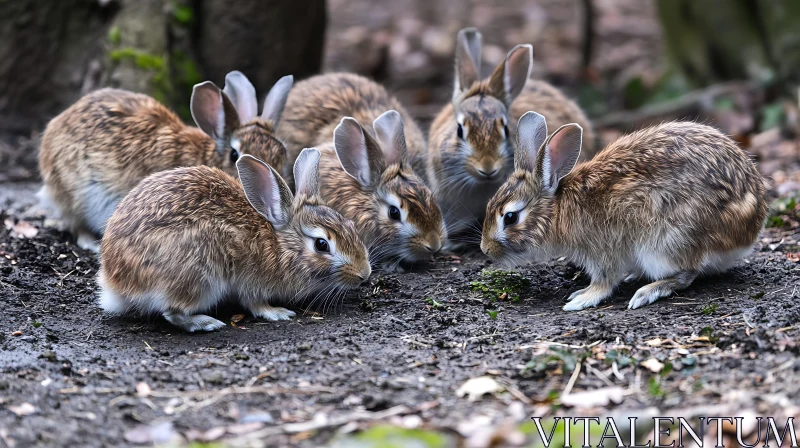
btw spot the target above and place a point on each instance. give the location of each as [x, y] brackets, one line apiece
[21, 229]
[475, 388]
[197, 435]
[16, 333]
[237, 318]
[654, 342]
[653, 365]
[155, 434]
[594, 398]
[793, 257]
[143, 390]
[23, 409]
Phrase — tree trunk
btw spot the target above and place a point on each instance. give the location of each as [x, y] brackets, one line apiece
[54, 51]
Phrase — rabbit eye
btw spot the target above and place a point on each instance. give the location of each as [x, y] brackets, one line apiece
[510, 218]
[394, 213]
[505, 130]
[234, 155]
[321, 245]
[460, 131]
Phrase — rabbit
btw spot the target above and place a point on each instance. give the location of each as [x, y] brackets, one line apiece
[183, 240]
[470, 151]
[97, 150]
[669, 202]
[367, 175]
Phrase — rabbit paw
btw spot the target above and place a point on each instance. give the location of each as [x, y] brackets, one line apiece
[87, 241]
[648, 294]
[587, 298]
[192, 323]
[273, 313]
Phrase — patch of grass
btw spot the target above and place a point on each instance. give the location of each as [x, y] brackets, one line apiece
[621, 358]
[782, 212]
[555, 357]
[709, 309]
[492, 314]
[434, 304]
[37, 324]
[709, 333]
[654, 388]
[387, 436]
[500, 285]
[757, 295]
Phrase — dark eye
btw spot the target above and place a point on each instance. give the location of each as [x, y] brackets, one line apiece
[460, 131]
[505, 130]
[321, 245]
[510, 218]
[394, 213]
[234, 155]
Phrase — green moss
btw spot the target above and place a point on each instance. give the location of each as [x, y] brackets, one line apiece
[182, 13]
[709, 309]
[114, 35]
[387, 436]
[500, 285]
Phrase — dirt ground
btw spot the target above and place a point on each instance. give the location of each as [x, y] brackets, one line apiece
[395, 351]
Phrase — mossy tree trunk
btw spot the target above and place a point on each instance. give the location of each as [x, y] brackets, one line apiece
[54, 51]
[719, 40]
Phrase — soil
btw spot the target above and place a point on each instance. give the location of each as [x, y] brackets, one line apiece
[398, 348]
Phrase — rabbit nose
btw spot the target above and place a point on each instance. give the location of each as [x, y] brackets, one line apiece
[488, 173]
[364, 274]
[432, 243]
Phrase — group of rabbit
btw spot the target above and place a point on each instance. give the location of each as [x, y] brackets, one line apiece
[190, 216]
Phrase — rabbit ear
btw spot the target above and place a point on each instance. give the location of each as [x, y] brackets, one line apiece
[468, 59]
[276, 100]
[306, 172]
[389, 132]
[510, 76]
[242, 94]
[560, 155]
[265, 190]
[214, 113]
[360, 155]
[531, 135]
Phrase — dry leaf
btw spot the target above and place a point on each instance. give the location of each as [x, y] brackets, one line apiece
[793, 257]
[143, 390]
[23, 409]
[156, 434]
[654, 342]
[653, 365]
[237, 318]
[478, 387]
[21, 229]
[594, 398]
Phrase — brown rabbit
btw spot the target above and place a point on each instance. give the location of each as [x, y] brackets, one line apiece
[369, 181]
[669, 203]
[98, 149]
[185, 239]
[471, 152]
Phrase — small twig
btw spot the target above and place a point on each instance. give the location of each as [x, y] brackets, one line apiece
[294, 428]
[572, 379]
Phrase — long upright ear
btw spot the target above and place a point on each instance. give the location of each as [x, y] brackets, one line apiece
[242, 94]
[389, 132]
[265, 190]
[560, 155]
[360, 155]
[276, 100]
[214, 113]
[510, 76]
[468, 59]
[531, 135]
[306, 172]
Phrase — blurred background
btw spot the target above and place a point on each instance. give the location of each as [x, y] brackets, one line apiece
[731, 63]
